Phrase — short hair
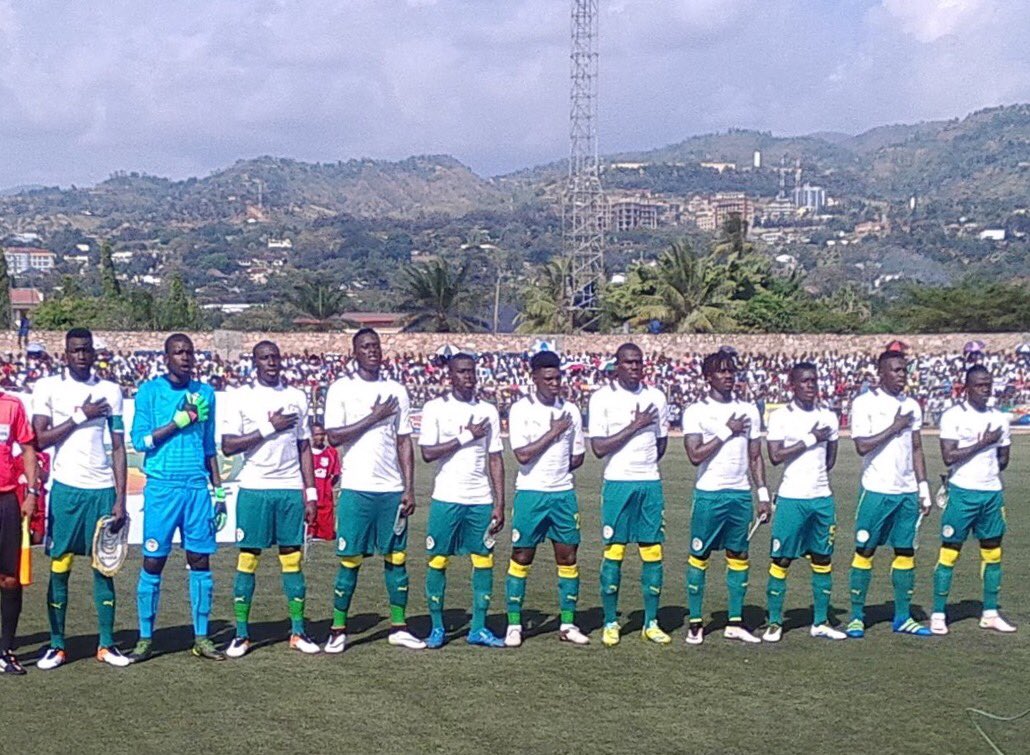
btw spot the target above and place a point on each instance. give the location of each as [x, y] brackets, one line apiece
[316, 423]
[543, 360]
[460, 355]
[716, 361]
[888, 355]
[78, 333]
[176, 337]
[802, 366]
[362, 332]
[977, 369]
[260, 344]
[628, 346]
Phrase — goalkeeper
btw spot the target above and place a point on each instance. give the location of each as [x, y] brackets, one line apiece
[174, 425]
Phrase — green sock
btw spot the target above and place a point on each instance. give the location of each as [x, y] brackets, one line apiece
[396, 577]
[482, 583]
[736, 588]
[695, 592]
[611, 577]
[103, 599]
[57, 606]
[903, 581]
[775, 594]
[992, 585]
[515, 593]
[942, 575]
[343, 591]
[242, 598]
[822, 591]
[436, 586]
[295, 589]
[568, 596]
[651, 587]
[859, 583]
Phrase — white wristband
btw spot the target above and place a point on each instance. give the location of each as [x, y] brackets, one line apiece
[311, 495]
[763, 494]
[465, 437]
[79, 417]
[724, 433]
[924, 489]
[267, 429]
[809, 440]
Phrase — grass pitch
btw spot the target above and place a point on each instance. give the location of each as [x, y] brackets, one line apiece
[885, 693]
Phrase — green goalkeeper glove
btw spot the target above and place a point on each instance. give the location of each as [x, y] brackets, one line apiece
[221, 516]
[195, 408]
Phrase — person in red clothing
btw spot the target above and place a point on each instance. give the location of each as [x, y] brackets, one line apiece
[14, 428]
[327, 475]
[37, 524]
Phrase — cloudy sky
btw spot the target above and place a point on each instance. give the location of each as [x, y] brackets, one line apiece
[182, 88]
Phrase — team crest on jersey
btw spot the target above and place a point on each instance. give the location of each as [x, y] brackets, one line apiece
[862, 536]
[325, 462]
[515, 535]
[607, 531]
[341, 544]
[948, 530]
[697, 543]
[5, 433]
[430, 543]
[239, 535]
[776, 544]
[151, 545]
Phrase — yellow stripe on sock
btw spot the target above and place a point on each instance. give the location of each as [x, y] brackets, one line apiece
[615, 552]
[290, 562]
[351, 562]
[568, 572]
[438, 562]
[862, 562]
[736, 564]
[247, 562]
[515, 569]
[822, 568]
[948, 557]
[482, 562]
[651, 553]
[698, 563]
[904, 563]
[775, 570]
[990, 555]
[62, 564]
[397, 558]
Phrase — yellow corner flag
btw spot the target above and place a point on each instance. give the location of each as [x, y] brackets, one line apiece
[25, 557]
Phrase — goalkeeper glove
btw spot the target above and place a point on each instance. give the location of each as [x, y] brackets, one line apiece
[221, 516]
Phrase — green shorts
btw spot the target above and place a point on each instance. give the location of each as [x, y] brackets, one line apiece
[982, 511]
[802, 527]
[269, 517]
[886, 519]
[632, 512]
[457, 529]
[364, 524]
[719, 520]
[72, 518]
[539, 515]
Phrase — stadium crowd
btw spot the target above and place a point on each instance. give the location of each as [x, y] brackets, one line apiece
[934, 379]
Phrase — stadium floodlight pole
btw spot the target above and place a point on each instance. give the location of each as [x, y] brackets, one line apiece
[583, 200]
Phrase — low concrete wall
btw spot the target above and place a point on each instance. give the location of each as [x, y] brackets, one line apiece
[231, 343]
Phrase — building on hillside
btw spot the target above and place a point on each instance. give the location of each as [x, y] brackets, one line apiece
[21, 259]
[808, 197]
[627, 212]
[992, 234]
[280, 244]
[24, 301]
[719, 166]
[778, 209]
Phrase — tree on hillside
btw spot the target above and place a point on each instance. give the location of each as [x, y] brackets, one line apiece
[690, 293]
[109, 286]
[177, 308]
[972, 305]
[435, 295]
[316, 298]
[543, 300]
[5, 293]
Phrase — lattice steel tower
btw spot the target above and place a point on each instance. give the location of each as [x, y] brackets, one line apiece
[583, 200]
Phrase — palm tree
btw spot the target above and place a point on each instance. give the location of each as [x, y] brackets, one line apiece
[691, 294]
[435, 295]
[317, 299]
[543, 300]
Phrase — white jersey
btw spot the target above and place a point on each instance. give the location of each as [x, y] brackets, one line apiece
[528, 421]
[728, 468]
[805, 476]
[611, 409]
[273, 464]
[370, 463]
[965, 424]
[463, 476]
[81, 461]
[889, 469]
